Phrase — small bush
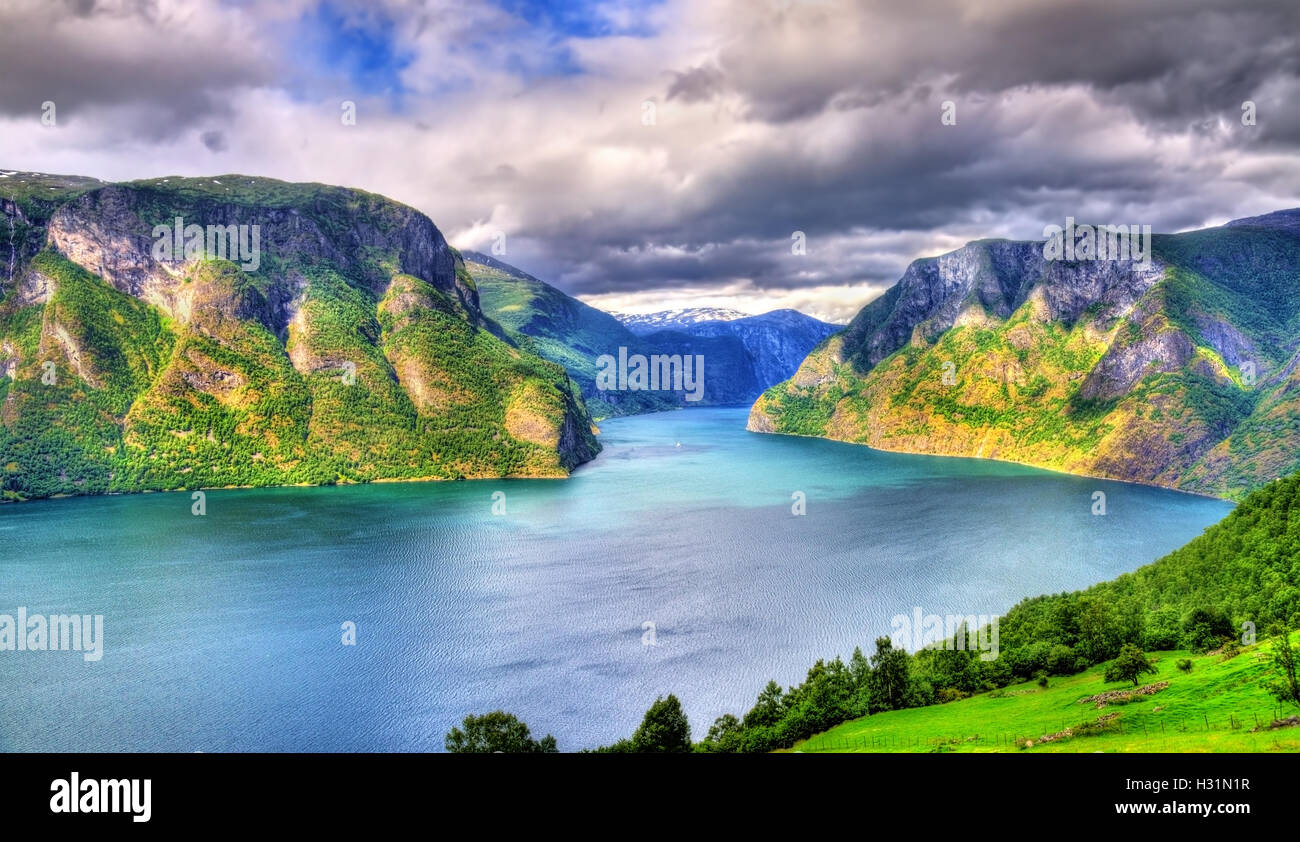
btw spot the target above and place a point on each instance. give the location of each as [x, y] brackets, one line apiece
[1094, 728]
[949, 694]
[1184, 664]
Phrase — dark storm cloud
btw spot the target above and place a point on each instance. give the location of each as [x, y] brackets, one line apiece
[696, 85]
[910, 174]
[1169, 59]
[163, 68]
[1028, 81]
[774, 117]
[767, 265]
[215, 141]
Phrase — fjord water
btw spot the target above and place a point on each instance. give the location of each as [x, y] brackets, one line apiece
[223, 632]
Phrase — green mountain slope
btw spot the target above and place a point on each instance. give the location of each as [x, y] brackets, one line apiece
[575, 335]
[564, 330]
[1183, 374]
[353, 349]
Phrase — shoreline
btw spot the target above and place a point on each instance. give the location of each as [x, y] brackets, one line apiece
[1033, 465]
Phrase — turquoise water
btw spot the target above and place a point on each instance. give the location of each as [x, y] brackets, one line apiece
[222, 632]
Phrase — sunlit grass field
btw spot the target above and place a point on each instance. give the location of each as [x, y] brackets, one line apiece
[1213, 708]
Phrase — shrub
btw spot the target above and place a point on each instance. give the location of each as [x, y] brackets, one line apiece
[1094, 728]
[1061, 660]
[1205, 629]
[1027, 660]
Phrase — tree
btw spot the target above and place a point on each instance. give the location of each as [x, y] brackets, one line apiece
[724, 734]
[768, 708]
[889, 676]
[1206, 629]
[955, 668]
[1029, 659]
[1287, 690]
[664, 729]
[820, 703]
[1162, 629]
[497, 731]
[1129, 665]
[860, 676]
[1099, 630]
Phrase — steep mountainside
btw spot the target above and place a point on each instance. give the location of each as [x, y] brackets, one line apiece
[1181, 374]
[350, 348]
[575, 335]
[742, 357]
[777, 342]
[564, 330]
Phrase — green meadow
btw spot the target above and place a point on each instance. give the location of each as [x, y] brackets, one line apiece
[1216, 707]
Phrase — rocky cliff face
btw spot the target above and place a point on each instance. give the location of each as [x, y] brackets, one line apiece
[776, 342]
[349, 347]
[109, 232]
[1180, 373]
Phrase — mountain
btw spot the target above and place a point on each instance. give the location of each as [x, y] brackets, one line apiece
[777, 341]
[575, 335]
[681, 319]
[1181, 373]
[743, 355]
[347, 346]
[562, 329]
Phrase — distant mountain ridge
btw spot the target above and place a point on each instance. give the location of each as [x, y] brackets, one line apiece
[680, 319]
[742, 356]
[777, 341]
[1182, 373]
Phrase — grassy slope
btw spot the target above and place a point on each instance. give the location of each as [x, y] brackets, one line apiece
[39, 193]
[1212, 708]
[565, 331]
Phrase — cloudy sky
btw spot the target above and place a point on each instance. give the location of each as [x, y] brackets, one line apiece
[652, 155]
